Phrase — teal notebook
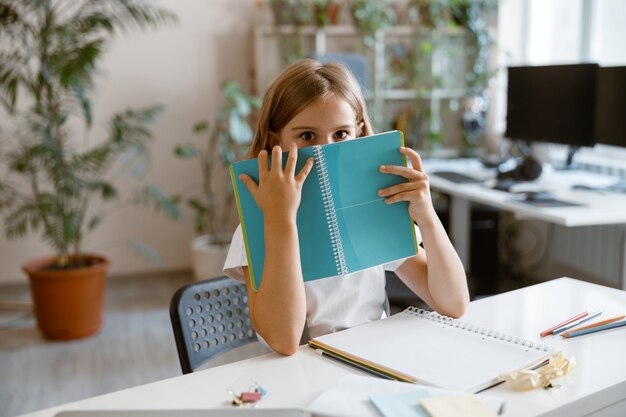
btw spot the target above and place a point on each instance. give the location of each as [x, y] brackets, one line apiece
[343, 225]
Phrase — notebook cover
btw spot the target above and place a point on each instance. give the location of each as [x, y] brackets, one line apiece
[372, 232]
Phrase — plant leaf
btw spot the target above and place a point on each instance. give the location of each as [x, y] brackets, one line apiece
[186, 151]
[145, 251]
[201, 127]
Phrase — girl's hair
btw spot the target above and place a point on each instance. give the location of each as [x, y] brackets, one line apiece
[299, 85]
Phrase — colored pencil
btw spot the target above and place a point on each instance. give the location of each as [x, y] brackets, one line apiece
[598, 328]
[576, 317]
[576, 322]
[589, 326]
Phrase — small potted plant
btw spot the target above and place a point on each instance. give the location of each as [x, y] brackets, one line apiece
[476, 17]
[224, 141]
[370, 16]
[327, 12]
[55, 184]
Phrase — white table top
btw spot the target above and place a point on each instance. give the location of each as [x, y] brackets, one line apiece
[598, 380]
[598, 207]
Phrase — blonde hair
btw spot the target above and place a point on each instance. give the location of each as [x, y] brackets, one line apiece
[299, 85]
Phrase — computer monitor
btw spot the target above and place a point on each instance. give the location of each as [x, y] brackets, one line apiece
[610, 119]
[553, 103]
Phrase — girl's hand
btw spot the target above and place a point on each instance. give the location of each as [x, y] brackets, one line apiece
[279, 191]
[416, 191]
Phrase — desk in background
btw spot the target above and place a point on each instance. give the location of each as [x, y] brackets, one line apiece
[596, 386]
[598, 208]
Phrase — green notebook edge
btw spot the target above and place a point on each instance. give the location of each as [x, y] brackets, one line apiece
[253, 282]
[417, 247]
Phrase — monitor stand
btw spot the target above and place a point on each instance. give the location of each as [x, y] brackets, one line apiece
[570, 156]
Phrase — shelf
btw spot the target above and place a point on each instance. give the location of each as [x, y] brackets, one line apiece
[350, 30]
[398, 94]
[388, 98]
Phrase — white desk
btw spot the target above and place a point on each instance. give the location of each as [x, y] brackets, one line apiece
[597, 384]
[599, 208]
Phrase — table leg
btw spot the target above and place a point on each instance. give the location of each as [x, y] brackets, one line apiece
[623, 265]
[460, 228]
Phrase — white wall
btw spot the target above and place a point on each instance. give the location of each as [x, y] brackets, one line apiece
[181, 66]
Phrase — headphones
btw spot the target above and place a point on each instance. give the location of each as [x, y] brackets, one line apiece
[528, 169]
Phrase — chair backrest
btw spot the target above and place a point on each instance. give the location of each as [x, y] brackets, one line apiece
[209, 318]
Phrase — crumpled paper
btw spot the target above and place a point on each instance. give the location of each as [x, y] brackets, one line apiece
[528, 379]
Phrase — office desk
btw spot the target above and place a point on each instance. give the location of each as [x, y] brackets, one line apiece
[596, 385]
[598, 208]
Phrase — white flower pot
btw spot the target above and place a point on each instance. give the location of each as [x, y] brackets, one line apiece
[207, 259]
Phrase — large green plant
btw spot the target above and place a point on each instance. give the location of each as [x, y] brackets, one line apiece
[223, 142]
[55, 182]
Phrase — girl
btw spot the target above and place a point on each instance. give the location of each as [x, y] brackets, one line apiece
[316, 104]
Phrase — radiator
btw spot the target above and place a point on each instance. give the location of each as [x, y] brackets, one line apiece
[596, 251]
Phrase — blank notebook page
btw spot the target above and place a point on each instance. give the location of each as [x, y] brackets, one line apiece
[436, 350]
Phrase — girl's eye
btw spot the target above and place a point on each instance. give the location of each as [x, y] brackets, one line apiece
[341, 135]
[307, 136]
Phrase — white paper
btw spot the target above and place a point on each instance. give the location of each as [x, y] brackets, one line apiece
[349, 397]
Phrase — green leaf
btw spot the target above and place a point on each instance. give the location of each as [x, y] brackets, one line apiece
[145, 251]
[186, 151]
[243, 105]
[151, 195]
[94, 222]
[201, 127]
[85, 102]
[240, 130]
[231, 88]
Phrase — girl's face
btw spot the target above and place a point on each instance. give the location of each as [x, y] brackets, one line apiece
[324, 121]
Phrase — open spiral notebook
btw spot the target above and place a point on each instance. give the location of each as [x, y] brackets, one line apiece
[343, 224]
[424, 347]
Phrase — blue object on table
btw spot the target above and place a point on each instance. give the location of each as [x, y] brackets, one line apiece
[598, 328]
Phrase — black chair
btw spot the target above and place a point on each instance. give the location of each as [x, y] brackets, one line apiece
[210, 318]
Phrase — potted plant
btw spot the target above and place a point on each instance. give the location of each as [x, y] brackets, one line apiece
[55, 184]
[327, 12]
[370, 16]
[225, 141]
[475, 16]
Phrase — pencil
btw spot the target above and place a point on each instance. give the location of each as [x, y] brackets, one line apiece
[600, 323]
[576, 317]
[576, 322]
[598, 328]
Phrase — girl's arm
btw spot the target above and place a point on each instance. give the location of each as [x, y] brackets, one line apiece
[439, 277]
[278, 309]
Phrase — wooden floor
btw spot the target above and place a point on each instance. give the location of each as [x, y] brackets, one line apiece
[135, 346]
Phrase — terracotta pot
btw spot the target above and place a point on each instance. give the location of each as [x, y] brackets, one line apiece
[68, 303]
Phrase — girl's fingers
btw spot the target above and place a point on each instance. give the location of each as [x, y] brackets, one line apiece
[249, 183]
[406, 172]
[416, 161]
[277, 159]
[263, 167]
[306, 169]
[400, 188]
[406, 196]
[290, 167]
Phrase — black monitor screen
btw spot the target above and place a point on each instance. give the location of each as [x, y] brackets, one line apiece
[611, 106]
[552, 103]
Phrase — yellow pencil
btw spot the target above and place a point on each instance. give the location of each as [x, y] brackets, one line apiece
[600, 323]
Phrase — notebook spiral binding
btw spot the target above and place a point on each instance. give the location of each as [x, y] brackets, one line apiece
[329, 209]
[449, 321]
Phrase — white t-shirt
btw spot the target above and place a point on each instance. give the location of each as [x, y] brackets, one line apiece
[334, 303]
